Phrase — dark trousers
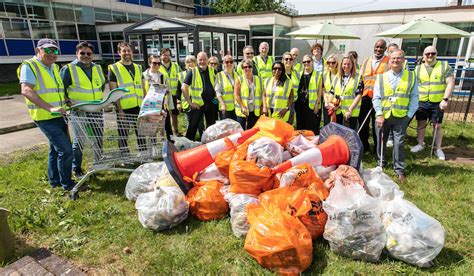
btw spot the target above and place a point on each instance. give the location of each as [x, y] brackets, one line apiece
[365, 107]
[306, 119]
[326, 118]
[228, 115]
[248, 122]
[208, 110]
[352, 123]
[126, 121]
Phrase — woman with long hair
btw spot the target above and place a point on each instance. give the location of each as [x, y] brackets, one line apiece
[294, 76]
[308, 104]
[249, 96]
[348, 86]
[328, 79]
[279, 93]
[225, 82]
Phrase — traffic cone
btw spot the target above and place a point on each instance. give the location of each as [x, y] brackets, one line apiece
[334, 151]
[188, 162]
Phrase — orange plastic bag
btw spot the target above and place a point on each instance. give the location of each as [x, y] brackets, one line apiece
[301, 175]
[304, 132]
[278, 241]
[247, 178]
[274, 129]
[206, 201]
[224, 158]
[347, 175]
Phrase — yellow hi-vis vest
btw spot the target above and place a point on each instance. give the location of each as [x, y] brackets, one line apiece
[298, 67]
[50, 90]
[264, 69]
[313, 89]
[280, 98]
[348, 95]
[172, 76]
[295, 82]
[245, 94]
[396, 102]
[432, 86]
[196, 88]
[135, 96]
[184, 103]
[82, 89]
[228, 89]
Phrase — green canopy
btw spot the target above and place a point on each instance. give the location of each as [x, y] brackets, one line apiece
[424, 28]
[323, 31]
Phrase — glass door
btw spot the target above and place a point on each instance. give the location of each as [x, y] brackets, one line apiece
[232, 45]
[169, 42]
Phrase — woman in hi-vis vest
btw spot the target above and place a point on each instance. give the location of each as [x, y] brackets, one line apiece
[328, 80]
[249, 96]
[279, 93]
[225, 82]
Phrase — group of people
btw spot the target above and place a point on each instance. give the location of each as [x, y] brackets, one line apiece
[381, 93]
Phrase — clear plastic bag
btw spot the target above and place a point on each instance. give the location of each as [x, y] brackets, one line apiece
[413, 236]
[162, 209]
[183, 143]
[324, 172]
[265, 152]
[212, 173]
[299, 144]
[354, 227]
[220, 130]
[380, 185]
[238, 211]
[142, 179]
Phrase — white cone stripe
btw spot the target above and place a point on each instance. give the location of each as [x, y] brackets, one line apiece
[217, 146]
[312, 156]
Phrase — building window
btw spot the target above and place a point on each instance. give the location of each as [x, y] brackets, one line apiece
[63, 12]
[133, 17]
[16, 28]
[136, 42]
[39, 9]
[87, 32]
[117, 36]
[102, 15]
[261, 30]
[84, 14]
[281, 46]
[281, 31]
[450, 47]
[106, 47]
[42, 29]
[119, 16]
[13, 9]
[218, 45]
[66, 30]
[205, 42]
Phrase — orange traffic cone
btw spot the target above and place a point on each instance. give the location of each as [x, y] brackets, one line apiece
[188, 162]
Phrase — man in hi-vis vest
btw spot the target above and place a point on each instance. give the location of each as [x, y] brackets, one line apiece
[395, 102]
[83, 82]
[436, 81]
[126, 74]
[43, 90]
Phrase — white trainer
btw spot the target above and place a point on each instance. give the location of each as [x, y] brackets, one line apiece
[389, 143]
[440, 154]
[417, 148]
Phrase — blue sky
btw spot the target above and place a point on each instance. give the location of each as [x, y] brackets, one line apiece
[327, 6]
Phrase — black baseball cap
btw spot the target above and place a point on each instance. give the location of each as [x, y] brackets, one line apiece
[47, 43]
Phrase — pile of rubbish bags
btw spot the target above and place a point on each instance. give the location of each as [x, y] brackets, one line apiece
[360, 214]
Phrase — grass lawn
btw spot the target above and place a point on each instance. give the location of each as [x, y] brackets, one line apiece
[9, 88]
[93, 231]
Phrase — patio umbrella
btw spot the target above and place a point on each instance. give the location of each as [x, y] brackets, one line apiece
[423, 28]
[323, 31]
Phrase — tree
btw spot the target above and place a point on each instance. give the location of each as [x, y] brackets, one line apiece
[242, 6]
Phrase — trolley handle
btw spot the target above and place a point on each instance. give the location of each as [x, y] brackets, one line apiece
[113, 96]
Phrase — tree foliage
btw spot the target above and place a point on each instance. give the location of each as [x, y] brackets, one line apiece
[242, 6]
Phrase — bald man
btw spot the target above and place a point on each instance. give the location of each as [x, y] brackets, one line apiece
[198, 90]
[296, 65]
[436, 81]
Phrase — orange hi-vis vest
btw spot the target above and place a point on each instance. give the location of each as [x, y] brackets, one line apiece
[369, 74]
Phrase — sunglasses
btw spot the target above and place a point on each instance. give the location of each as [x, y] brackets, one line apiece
[246, 67]
[288, 59]
[330, 62]
[430, 54]
[212, 63]
[51, 51]
[277, 69]
[155, 63]
[249, 53]
[306, 61]
[85, 53]
[229, 61]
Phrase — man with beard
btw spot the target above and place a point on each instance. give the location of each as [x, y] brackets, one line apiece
[170, 71]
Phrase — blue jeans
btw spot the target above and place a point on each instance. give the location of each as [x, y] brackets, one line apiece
[60, 152]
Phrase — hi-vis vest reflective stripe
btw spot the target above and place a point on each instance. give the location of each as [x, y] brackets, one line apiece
[264, 69]
[295, 82]
[82, 89]
[313, 89]
[184, 103]
[328, 80]
[396, 102]
[369, 74]
[245, 94]
[172, 76]
[432, 86]
[48, 89]
[134, 97]
[228, 89]
[348, 95]
[196, 87]
[280, 98]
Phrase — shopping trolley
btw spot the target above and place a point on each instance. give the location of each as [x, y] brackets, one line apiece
[113, 141]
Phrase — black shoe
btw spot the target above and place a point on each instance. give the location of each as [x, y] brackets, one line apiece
[78, 173]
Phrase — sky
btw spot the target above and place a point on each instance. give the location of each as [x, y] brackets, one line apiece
[329, 6]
